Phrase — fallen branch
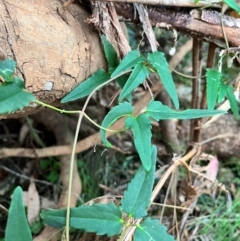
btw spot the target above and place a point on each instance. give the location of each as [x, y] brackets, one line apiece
[187, 22]
[174, 3]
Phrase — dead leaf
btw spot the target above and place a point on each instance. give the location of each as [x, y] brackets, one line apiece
[46, 203]
[212, 168]
[32, 203]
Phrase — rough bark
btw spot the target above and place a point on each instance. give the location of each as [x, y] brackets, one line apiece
[54, 49]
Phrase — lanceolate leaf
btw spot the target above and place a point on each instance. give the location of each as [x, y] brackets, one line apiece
[159, 62]
[233, 5]
[13, 97]
[141, 128]
[138, 75]
[158, 111]
[123, 109]
[129, 61]
[213, 80]
[222, 91]
[98, 218]
[136, 199]
[7, 68]
[110, 53]
[233, 102]
[151, 229]
[86, 87]
[17, 225]
[122, 80]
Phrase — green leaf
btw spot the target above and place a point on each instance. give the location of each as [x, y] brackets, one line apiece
[86, 87]
[7, 68]
[98, 218]
[159, 62]
[122, 80]
[123, 109]
[233, 102]
[17, 225]
[151, 229]
[13, 97]
[233, 5]
[138, 75]
[136, 199]
[158, 111]
[141, 128]
[129, 61]
[213, 78]
[110, 53]
[222, 91]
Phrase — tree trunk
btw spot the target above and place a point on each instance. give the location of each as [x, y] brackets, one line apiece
[54, 49]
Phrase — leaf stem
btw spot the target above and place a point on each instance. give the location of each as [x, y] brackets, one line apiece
[185, 75]
[127, 224]
[76, 112]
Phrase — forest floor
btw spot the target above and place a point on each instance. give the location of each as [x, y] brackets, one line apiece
[105, 174]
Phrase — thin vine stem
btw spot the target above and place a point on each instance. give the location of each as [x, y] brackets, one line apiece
[76, 112]
[74, 148]
[185, 75]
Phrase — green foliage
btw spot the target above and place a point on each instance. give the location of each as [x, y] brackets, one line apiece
[99, 218]
[222, 91]
[222, 224]
[112, 60]
[101, 76]
[36, 227]
[122, 80]
[232, 100]
[141, 128]
[110, 53]
[132, 61]
[86, 87]
[107, 218]
[13, 96]
[136, 199]
[158, 111]
[159, 62]
[7, 69]
[123, 109]
[17, 225]
[151, 229]
[213, 81]
[233, 5]
[51, 168]
[217, 90]
[129, 61]
[138, 75]
[90, 189]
